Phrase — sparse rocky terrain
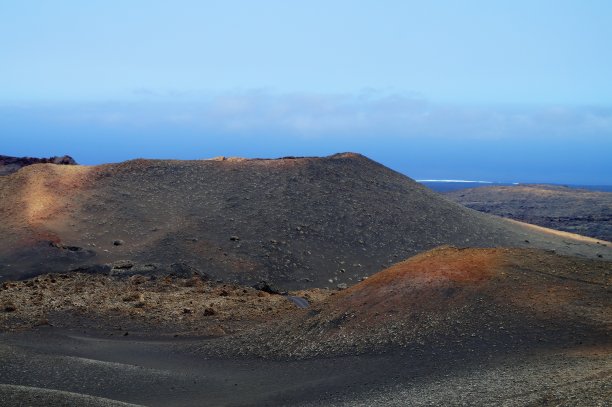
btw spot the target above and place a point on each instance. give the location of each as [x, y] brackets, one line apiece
[511, 327]
[185, 305]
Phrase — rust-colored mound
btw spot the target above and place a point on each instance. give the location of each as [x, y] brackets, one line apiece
[452, 277]
[425, 281]
[484, 298]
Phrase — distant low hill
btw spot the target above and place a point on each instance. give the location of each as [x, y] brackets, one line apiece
[450, 185]
[574, 210]
[296, 222]
[9, 165]
[455, 185]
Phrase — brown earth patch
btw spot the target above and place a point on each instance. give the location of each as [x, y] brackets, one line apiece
[189, 306]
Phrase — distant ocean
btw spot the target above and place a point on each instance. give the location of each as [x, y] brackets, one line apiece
[454, 185]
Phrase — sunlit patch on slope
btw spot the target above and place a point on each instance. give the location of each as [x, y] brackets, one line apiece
[47, 191]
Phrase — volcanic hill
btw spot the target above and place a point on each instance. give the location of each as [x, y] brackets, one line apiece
[296, 222]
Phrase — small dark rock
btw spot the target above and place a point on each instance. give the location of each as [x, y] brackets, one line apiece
[234, 238]
[267, 287]
[185, 270]
[209, 311]
[9, 307]
[122, 265]
[92, 269]
[64, 247]
[118, 242]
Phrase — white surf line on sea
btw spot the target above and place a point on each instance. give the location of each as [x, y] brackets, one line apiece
[76, 397]
[455, 180]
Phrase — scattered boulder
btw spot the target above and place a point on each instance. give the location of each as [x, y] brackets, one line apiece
[137, 279]
[185, 270]
[93, 269]
[342, 286]
[9, 307]
[267, 287]
[67, 252]
[145, 268]
[64, 247]
[133, 297]
[122, 265]
[118, 242]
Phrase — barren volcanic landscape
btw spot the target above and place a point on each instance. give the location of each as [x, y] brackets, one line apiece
[290, 221]
[292, 281]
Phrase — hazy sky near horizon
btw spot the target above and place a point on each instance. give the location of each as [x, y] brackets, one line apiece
[494, 90]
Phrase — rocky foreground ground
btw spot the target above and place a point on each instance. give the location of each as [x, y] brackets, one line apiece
[450, 326]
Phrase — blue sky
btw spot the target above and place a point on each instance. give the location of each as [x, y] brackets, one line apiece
[496, 90]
